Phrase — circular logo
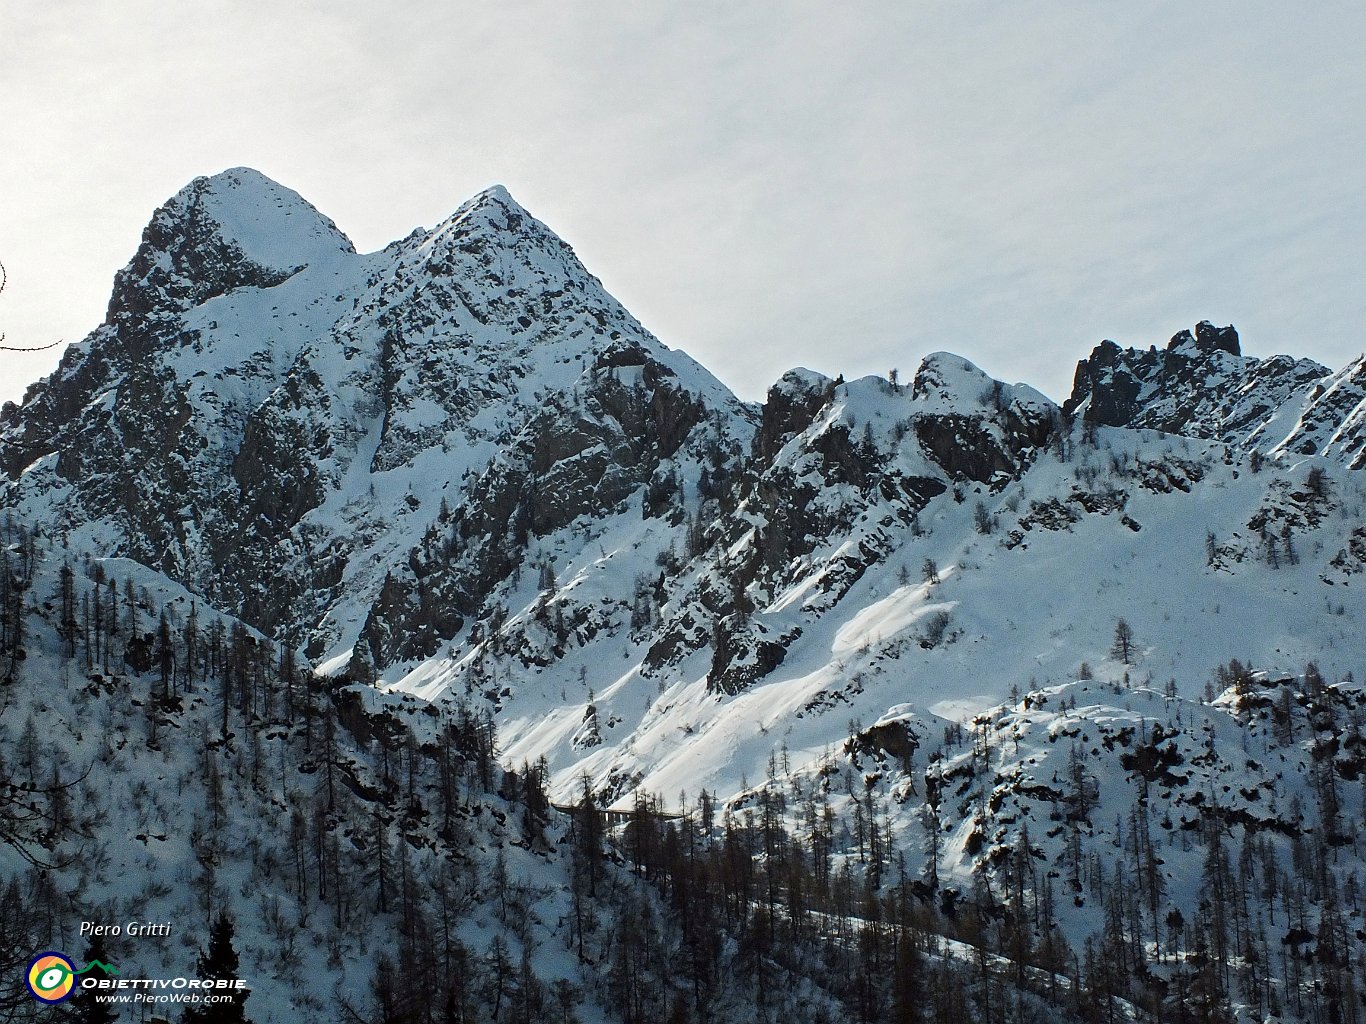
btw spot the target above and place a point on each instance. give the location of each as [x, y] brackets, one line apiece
[51, 977]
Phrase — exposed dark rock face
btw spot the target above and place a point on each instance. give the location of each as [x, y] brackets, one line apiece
[577, 458]
[744, 651]
[1109, 383]
[791, 406]
[897, 739]
[1113, 383]
[1201, 386]
[37, 428]
[968, 450]
[1207, 338]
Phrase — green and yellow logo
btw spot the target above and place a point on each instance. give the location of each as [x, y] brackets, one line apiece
[52, 976]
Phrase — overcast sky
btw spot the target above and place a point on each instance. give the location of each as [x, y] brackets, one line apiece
[845, 187]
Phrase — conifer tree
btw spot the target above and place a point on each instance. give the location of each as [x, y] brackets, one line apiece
[220, 961]
[88, 1009]
[1122, 649]
[190, 638]
[165, 652]
[66, 625]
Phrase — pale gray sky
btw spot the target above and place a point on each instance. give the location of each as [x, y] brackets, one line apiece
[845, 187]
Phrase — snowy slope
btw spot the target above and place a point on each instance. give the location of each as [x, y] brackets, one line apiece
[1118, 531]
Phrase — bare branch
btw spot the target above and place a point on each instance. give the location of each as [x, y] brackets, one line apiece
[4, 279]
[31, 348]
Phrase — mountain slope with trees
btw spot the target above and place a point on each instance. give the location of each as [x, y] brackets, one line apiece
[335, 585]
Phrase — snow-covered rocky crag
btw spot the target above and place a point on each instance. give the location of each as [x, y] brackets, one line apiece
[974, 653]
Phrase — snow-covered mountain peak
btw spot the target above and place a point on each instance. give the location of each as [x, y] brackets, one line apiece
[232, 230]
[493, 214]
[949, 383]
[945, 374]
[507, 261]
[800, 380]
[495, 196]
[273, 225]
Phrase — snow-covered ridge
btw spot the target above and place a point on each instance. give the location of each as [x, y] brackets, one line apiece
[1202, 386]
